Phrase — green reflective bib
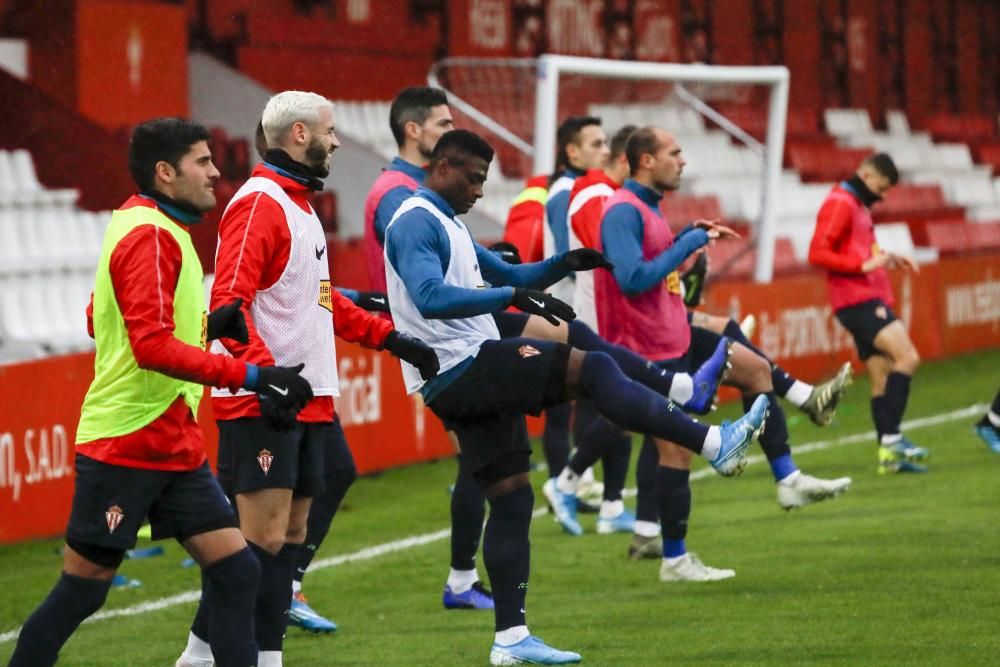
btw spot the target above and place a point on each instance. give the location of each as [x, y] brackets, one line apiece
[123, 397]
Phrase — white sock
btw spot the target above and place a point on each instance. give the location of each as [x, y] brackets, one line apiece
[612, 508]
[682, 388]
[799, 392]
[197, 648]
[675, 559]
[460, 581]
[568, 481]
[269, 659]
[296, 586]
[790, 477]
[891, 438]
[647, 529]
[511, 635]
[994, 418]
[588, 476]
[713, 443]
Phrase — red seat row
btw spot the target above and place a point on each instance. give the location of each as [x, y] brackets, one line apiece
[963, 238]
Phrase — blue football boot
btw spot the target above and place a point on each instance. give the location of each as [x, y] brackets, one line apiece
[477, 597]
[737, 437]
[708, 377]
[302, 615]
[531, 651]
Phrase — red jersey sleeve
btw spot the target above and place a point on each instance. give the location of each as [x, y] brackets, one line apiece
[357, 325]
[144, 268]
[254, 244]
[833, 230]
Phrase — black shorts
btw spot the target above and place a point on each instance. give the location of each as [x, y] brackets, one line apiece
[111, 502]
[864, 321]
[486, 404]
[702, 345]
[254, 456]
[510, 325]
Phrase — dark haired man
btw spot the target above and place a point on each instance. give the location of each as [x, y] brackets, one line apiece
[844, 245]
[639, 305]
[140, 452]
[437, 283]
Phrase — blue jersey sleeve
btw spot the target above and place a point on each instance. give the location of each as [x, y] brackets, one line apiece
[536, 275]
[387, 207]
[556, 213]
[419, 251]
[351, 294]
[621, 235]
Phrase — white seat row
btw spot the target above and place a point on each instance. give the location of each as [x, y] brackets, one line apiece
[19, 183]
[49, 238]
[46, 309]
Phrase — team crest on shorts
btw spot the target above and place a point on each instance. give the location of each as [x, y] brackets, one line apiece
[881, 313]
[528, 351]
[264, 458]
[113, 516]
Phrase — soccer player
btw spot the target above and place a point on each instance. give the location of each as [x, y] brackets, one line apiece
[639, 305]
[988, 428]
[580, 145]
[272, 254]
[526, 218]
[139, 451]
[437, 283]
[844, 245]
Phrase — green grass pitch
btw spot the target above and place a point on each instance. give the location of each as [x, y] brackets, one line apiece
[900, 570]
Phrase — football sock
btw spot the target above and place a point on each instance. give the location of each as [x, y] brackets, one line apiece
[682, 388]
[632, 365]
[555, 437]
[568, 481]
[460, 581]
[774, 439]
[634, 407]
[198, 649]
[647, 506]
[597, 438]
[506, 554]
[897, 393]
[674, 493]
[784, 469]
[615, 461]
[199, 626]
[269, 659]
[274, 596]
[879, 407]
[231, 585]
[70, 601]
[797, 394]
[611, 508]
[468, 509]
[511, 635]
[321, 512]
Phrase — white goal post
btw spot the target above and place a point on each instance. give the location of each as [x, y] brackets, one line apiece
[549, 68]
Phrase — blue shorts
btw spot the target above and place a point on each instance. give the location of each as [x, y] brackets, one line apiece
[254, 456]
[486, 404]
[111, 502]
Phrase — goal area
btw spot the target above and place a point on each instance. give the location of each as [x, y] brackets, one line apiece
[730, 123]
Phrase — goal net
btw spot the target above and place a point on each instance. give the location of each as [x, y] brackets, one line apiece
[730, 123]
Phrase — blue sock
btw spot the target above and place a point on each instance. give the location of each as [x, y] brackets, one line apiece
[647, 504]
[231, 586]
[634, 407]
[673, 489]
[71, 601]
[555, 438]
[632, 365]
[468, 509]
[782, 467]
[507, 554]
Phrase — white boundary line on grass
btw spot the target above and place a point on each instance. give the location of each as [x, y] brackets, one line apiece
[404, 544]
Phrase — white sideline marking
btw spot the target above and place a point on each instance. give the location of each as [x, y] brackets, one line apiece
[404, 544]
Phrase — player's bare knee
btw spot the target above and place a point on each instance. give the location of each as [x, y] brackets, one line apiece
[750, 372]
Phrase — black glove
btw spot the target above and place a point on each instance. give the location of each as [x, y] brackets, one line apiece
[586, 259]
[694, 281]
[508, 252]
[413, 351]
[278, 418]
[373, 301]
[540, 303]
[283, 386]
[228, 322]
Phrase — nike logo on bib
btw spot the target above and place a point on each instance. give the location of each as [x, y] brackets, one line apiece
[319, 252]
